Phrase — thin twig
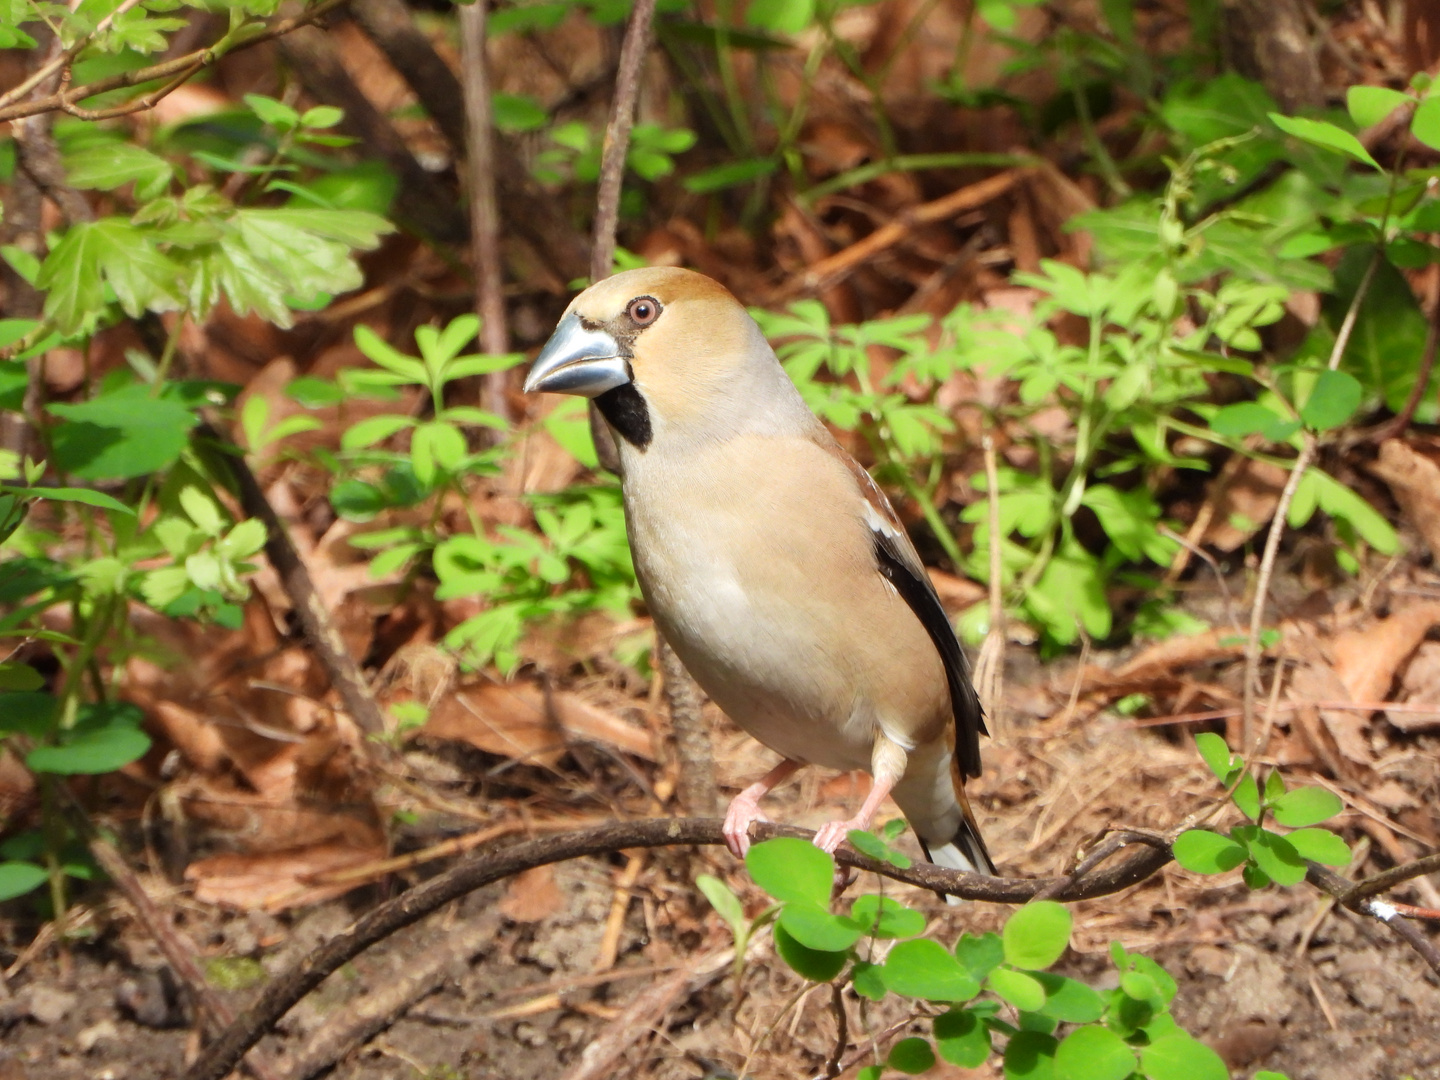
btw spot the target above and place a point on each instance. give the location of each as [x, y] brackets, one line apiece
[56, 102]
[842, 1030]
[617, 138]
[484, 213]
[179, 951]
[1282, 509]
[1388, 879]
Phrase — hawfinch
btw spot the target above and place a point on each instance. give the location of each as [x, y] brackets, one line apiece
[771, 562]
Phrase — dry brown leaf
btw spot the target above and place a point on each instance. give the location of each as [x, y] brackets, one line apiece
[1244, 504]
[277, 880]
[1420, 685]
[516, 721]
[956, 593]
[1315, 680]
[1414, 480]
[532, 896]
[1367, 658]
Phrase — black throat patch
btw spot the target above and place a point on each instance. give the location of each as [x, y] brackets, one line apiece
[627, 413]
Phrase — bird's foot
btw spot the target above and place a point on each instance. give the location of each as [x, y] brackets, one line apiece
[743, 812]
[833, 833]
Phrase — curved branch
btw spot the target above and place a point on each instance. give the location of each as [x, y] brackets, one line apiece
[485, 867]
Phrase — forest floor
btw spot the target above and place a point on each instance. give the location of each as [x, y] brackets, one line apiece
[528, 974]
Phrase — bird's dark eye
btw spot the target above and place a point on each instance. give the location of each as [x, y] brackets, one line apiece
[643, 310]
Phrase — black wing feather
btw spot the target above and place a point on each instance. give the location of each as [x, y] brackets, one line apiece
[920, 595]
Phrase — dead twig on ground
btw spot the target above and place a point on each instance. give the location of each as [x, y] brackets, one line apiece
[830, 271]
[374, 1012]
[179, 951]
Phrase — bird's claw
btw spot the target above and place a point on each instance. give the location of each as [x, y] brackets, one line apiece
[743, 813]
[832, 834]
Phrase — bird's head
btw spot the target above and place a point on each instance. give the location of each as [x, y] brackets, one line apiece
[660, 347]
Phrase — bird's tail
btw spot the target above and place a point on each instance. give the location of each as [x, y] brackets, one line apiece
[966, 849]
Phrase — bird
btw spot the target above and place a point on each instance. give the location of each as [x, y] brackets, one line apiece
[770, 560]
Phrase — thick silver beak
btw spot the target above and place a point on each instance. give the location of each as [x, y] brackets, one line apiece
[578, 361]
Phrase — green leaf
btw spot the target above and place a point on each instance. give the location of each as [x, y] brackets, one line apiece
[1334, 400]
[869, 844]
[1093, 1053]
[883, 917]
[374, 429]
[731, 174]
[1019, 989]
[19, 878]
[1205, 852]
[723, 901]
[94, 253]
[868, 980]
[1179, 1056]
[1251, 418]
[911, 1056]
[961, 1038]
[1035, 936]
[100, 750]
[1305, 806]
[1425, 125]
[314, 393]
[1370, 104]
[275, 113]
[106, 166]
[122, 434]
[1319, 845]
[1319, 133]
[28, 712]
[321, 116]
[816, 928]
[74, 495]
[1069, 1000]
[1029, 1055]
[780, 16]
[1389, 332]
[517, 112]
[808, 963]
[791, 869]
[1247, 796]
[23, 677]
[1216, 754]
[926, 969]
[1277, 858]
[981, 954]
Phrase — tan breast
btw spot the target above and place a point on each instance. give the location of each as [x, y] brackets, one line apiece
[755, 559]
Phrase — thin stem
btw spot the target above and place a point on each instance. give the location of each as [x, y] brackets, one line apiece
[1253, 650]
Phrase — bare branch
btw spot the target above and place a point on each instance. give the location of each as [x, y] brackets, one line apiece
[57, 102]
[484, 213]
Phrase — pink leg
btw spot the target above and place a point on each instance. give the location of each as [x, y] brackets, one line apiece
[887, 766]
[745, 807]
[829, 836]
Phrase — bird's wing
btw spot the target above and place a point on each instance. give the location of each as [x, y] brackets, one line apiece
[900, 565]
